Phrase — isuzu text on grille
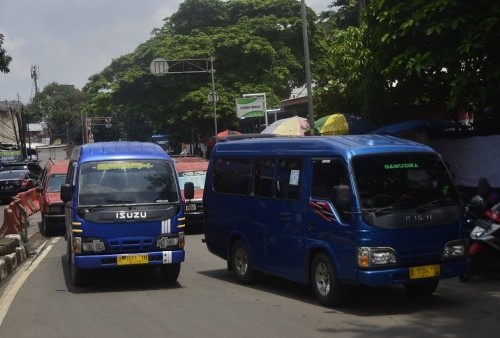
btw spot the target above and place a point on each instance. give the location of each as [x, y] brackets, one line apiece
[131, 215]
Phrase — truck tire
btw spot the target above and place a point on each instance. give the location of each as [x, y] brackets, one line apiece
[170, 272]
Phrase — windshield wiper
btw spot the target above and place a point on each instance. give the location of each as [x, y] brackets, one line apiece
[115, 202]
[394, 206]
[435, 203]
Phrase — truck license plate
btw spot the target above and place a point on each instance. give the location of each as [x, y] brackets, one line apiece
[191, 207]
[425, 271]
[132, 259]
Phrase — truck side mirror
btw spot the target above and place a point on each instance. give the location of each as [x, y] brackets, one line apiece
[188, 190]
[66, 192]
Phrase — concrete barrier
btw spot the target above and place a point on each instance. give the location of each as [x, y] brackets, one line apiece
[16, 254]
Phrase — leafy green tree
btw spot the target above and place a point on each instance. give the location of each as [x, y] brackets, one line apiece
[257, 47]
[61, 107]
[437, 52]
[346, 80]
[4, 58]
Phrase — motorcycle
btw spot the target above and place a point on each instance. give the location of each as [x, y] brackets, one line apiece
[484, 249]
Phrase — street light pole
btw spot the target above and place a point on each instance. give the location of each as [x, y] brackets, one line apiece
[214, 100]
[307, 66]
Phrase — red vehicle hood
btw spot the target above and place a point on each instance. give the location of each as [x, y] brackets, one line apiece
[53, 197]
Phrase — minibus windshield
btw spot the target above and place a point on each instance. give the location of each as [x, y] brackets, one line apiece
[387, 182]
[127, 182]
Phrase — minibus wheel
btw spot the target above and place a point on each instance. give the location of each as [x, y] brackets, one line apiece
[241, 263]
[170, 272]
[327, 288]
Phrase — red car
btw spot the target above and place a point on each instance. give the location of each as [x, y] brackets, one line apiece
[51, 206]
[192, 169]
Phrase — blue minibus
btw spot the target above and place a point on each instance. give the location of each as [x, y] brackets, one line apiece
[123, 208]
[335, 212]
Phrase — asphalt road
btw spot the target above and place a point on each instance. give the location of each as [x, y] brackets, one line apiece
[39, 300]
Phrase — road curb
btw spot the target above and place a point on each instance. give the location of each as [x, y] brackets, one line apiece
[12, 260]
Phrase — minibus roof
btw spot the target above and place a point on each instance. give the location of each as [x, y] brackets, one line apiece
[348, 145]
[120, 150]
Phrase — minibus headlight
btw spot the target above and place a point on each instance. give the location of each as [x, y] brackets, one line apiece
[165, 242]
[455, 249]
[370, 257]
[93, 245]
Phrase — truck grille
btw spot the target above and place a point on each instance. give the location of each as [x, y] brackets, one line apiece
[132, 245]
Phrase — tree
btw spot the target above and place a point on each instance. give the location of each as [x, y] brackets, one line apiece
[61, 106]
[257, 47]
[437, 52]
[4, 58]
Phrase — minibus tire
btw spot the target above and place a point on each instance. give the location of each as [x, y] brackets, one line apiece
[422, 288]
[170, 272]
[241, 263]
[327, 288]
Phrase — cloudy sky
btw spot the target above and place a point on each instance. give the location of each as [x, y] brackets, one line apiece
[71, 40]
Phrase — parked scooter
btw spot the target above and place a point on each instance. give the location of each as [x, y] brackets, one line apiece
[484, 247]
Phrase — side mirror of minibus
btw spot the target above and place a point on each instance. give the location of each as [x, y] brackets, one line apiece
[66, 192]
[476, 206]
[342, 195]
[188, 190]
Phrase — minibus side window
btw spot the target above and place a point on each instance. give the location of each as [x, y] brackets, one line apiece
[232, 176]
[264, 169]
[326, 176]
[288, 178]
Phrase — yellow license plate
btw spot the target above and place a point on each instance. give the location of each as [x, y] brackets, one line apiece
[425, 271]
[132, 259]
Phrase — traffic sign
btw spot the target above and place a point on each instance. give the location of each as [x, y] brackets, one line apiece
[159, 67]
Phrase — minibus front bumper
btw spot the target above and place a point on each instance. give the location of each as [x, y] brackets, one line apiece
[400, 275]
[129, 259]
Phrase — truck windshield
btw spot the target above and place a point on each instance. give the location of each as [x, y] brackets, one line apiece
[127, 182]
[197, 177]
[393, 181]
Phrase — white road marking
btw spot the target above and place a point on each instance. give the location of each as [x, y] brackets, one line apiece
[20, 277]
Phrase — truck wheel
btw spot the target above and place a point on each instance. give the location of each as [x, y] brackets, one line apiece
[329, 291]
[78, 276]
[170, 272]
[422, 288]
[241, 263]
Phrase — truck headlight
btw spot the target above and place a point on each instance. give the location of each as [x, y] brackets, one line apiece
[93, 245]
[377, 256]
[455, 249]
[165, 242]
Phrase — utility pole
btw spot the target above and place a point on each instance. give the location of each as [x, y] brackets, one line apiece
[307, 66]
[34, 76]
